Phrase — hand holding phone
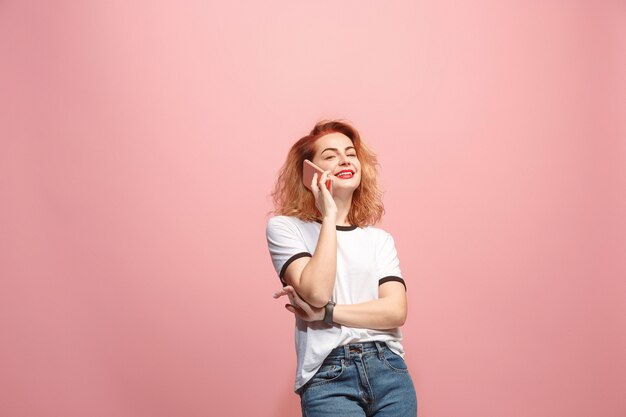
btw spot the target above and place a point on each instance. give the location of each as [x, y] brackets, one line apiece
[308, 170]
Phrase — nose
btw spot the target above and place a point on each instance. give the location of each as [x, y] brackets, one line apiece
[343, 160]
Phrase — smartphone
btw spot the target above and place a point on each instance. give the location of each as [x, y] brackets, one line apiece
[308, 169]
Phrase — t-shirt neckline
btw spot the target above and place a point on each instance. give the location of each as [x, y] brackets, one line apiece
[342, 228]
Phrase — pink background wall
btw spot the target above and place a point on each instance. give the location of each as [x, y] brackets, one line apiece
[140, 141]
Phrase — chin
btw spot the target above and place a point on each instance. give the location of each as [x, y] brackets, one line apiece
[346, 187]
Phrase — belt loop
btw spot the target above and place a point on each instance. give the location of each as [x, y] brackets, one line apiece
[380, 347]
[346, 351]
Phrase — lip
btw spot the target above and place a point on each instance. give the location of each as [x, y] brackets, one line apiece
[345, 170]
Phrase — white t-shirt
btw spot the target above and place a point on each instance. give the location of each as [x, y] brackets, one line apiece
[366, 258]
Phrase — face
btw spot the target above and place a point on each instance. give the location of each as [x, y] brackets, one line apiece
[335, 152]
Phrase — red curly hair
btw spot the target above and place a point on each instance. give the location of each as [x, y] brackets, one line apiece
[292, 198]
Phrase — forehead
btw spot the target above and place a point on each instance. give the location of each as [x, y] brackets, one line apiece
[332, 140]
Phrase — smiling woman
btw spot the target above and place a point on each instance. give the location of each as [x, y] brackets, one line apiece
[291, 198]
[342, 277]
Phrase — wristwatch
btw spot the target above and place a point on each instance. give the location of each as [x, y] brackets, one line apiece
[328, 313]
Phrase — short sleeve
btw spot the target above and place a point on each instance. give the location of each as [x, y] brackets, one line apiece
[388, 262]
[285, 244]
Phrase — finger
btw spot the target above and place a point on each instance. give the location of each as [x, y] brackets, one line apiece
[315, 189]
[286, 290]
[314, 186]
[297, 311]
[300, 304]
[323, 177]
[279, 294]
[326, 177]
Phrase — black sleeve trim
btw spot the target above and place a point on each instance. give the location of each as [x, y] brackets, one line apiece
[391, 278]
[289, 261]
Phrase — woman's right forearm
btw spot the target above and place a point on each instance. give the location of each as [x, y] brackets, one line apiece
[318, 276]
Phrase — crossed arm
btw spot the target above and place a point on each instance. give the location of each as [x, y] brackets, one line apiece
[310, 283]
[387, 312]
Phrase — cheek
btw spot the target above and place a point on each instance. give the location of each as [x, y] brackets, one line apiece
[324, 165]
[328, 165]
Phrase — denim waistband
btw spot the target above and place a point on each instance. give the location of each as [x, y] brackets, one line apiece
[346, 351]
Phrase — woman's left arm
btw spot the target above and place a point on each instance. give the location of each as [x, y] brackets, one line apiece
[387, 312]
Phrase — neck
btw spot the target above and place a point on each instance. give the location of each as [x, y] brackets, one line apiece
[343, 204]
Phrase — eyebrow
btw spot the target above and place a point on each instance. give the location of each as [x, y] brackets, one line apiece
[337, 150]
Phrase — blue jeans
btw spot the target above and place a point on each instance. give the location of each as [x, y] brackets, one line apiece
[361, 379]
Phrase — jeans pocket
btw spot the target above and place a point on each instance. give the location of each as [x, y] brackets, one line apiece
[326, 373]
[394, 361]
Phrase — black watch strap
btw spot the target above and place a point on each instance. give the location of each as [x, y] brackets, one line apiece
[328, 312]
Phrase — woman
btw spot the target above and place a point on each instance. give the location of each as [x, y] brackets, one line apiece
[343, 280]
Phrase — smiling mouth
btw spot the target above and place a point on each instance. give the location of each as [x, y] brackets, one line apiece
[345, 175]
